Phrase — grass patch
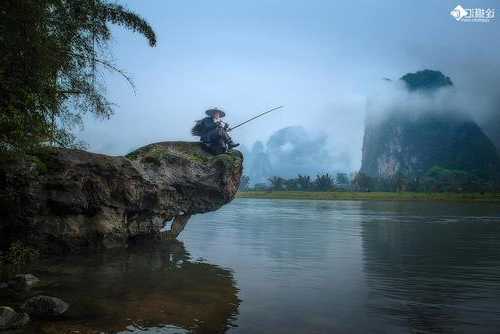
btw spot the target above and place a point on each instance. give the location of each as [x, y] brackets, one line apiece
[376, 196]
[174, 151]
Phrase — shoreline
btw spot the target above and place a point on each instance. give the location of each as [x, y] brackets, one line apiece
[372, 196]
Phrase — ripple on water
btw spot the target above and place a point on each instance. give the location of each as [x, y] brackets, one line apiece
[275, 266]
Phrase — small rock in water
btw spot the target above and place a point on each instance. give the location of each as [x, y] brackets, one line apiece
[10, 319]
[24, 281]
[45, 306]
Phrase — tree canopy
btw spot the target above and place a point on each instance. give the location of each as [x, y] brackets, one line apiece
[426, 80]
[53, 53]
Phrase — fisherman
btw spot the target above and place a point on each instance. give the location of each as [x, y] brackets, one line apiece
[213, 132]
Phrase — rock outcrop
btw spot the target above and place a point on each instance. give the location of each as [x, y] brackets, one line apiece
[411, 142]
[67, 199]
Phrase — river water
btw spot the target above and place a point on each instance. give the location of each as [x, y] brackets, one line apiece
[293, 266]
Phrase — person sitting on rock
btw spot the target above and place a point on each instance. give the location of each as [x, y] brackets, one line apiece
[213, 132]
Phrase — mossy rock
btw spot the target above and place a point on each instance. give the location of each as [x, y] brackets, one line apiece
[173, 152]
[95, 195]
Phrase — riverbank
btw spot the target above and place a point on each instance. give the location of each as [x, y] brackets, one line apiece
[376, 196]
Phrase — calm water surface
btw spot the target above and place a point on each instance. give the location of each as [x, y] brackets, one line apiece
[292, 266]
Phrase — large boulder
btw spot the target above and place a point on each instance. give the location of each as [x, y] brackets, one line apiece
[10, 319]
[45, 306]
[66, 199]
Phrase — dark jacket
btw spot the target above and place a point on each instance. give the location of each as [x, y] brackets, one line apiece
[213, 131]
[209, 124]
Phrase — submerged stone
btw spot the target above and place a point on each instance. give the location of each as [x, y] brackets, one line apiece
[45, 306]
[24, 281]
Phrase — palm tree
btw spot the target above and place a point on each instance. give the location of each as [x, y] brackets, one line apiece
[304, 182]
[323, 182]
[277, 183]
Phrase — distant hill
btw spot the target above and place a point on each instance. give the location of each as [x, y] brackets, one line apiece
[413, 143]
[290, 151]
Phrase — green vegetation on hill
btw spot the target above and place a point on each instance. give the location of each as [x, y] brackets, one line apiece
[436, 180]
[426, 80]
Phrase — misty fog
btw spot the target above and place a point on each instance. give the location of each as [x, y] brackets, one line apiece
[324, 61]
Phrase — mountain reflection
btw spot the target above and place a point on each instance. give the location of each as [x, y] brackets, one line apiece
[431, 277]
[144, 289]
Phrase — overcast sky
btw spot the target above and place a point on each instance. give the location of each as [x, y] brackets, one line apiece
[320, 59]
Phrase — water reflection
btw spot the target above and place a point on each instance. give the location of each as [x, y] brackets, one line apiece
[357, 267]
[155, 289]
[432, 269]
[301, 267]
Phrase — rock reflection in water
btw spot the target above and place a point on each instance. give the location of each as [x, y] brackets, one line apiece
[432, 272]
[154, 290]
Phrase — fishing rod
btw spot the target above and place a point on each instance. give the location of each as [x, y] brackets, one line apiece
[251, 119]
